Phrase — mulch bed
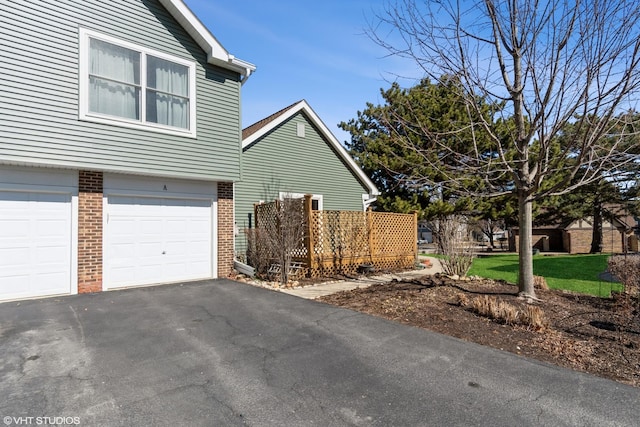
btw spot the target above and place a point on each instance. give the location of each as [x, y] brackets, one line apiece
[600, 336]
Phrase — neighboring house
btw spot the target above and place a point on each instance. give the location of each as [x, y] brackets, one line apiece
[292, 153]
[119, 146]
[425, 235]
[575, 237]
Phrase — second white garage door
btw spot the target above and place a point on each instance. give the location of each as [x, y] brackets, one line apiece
[36, 232]
[151, 240]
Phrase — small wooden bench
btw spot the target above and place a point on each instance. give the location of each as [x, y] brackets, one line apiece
[296, 269]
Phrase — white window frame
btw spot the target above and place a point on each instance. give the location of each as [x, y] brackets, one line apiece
[85, 114]
[287, 194]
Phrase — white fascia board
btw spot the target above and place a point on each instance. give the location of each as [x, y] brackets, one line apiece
[304, 107]
[216, 53]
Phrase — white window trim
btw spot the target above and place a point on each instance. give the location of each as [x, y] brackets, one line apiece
[287, 194]
[85, 114]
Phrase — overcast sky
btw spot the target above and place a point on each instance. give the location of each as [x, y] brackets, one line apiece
[313, 50]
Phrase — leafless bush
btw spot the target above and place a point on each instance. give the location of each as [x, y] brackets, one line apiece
[259, 253]
[452, 239]
[278, 236]
[626, 268]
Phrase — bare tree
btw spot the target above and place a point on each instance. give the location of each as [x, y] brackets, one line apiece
[545, 64]
[489, 227]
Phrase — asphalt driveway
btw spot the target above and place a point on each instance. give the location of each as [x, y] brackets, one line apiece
[223, 353]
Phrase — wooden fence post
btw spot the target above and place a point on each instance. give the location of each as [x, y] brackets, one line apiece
[373, 252]
[309, 238]
[415, 231]
[255, 214]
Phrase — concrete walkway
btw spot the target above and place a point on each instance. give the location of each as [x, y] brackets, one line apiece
[328, 288]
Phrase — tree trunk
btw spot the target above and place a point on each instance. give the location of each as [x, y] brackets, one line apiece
[525, 256]
[596, 236]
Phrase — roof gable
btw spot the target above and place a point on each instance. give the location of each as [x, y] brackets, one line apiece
[253, 133]
[216, 53]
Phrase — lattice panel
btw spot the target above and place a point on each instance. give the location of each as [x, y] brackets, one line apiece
[344, 241]
[393, 234]
[271, 217]
[266, 214]
[342, 234]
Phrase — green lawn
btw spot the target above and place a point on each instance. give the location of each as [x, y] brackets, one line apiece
[578, 273]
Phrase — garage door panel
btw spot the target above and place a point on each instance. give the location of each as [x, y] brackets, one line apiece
[14, 224]
[157, 239]
[176, 227]
[121, 274]
[35, 244]
[51, 228]
[51, 255]
[12, 285]
[122, 229]
[14, 257]
[196, 247]
[150, 227]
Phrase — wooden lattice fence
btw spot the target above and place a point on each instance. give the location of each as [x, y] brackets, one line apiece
[345, 242]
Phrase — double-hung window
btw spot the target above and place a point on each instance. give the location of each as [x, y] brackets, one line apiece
[122, 83]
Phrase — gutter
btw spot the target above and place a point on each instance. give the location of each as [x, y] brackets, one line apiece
[248, 68]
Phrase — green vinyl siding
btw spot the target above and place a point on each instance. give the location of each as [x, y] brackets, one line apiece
[40, 92]
[280, 161]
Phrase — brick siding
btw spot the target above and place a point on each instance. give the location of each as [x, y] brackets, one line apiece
[225, 229]
[579, 241]
[575, 241]
[90, 231]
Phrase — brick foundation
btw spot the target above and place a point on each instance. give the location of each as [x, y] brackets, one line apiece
[225, 229]
[90, 231]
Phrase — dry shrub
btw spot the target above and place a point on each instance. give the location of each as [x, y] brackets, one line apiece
[463, 300]
[484, 305]
[504, 312]
[540, 282]
[534, 317]
[626, 268]
[451, 235]
[508, 313]
[260, 254]
[278, 236]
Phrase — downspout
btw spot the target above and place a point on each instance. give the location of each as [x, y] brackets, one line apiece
[246, 77]
[368, 200]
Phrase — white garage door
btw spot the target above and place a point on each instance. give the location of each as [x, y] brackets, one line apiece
[35, 240]
[151, 240]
